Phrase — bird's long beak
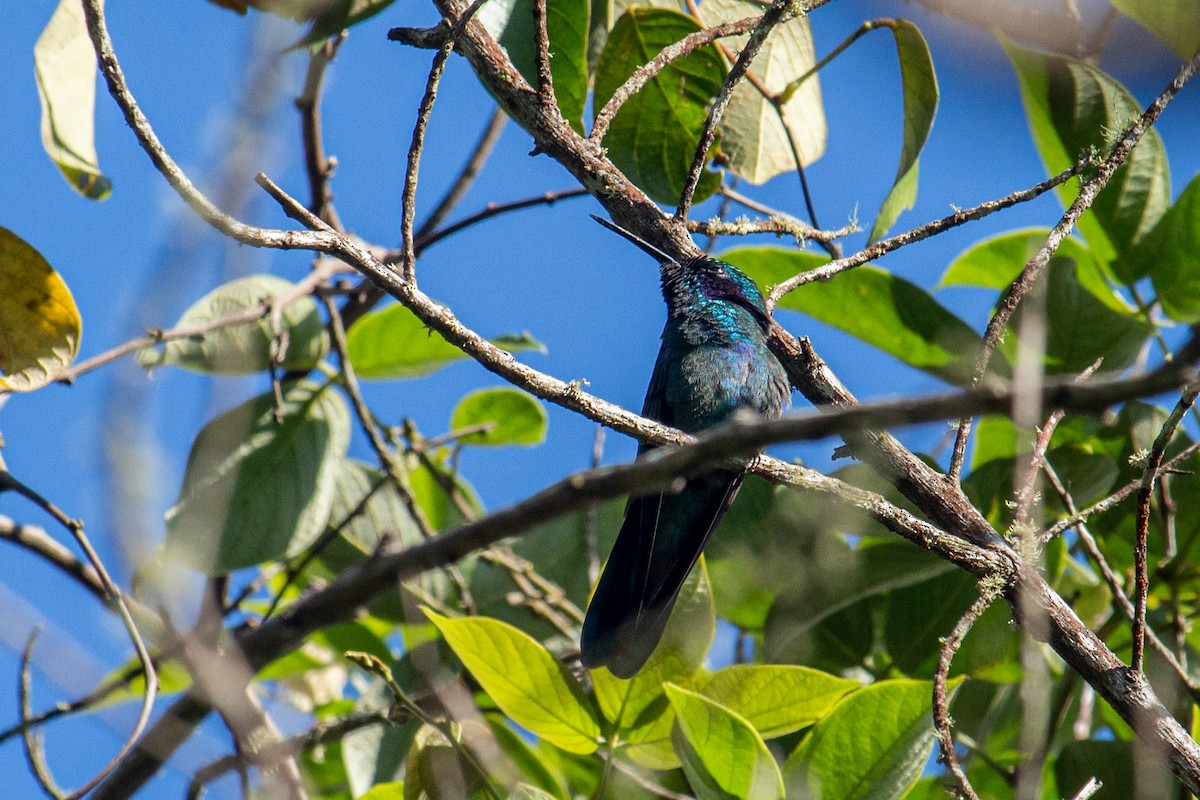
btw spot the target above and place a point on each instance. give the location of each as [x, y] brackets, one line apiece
[646, 247]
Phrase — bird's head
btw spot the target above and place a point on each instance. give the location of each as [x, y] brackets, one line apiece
[702, 278]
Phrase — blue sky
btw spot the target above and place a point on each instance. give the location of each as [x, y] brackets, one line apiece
[139, 258]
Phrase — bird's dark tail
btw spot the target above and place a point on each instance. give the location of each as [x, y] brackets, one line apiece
[659, 542]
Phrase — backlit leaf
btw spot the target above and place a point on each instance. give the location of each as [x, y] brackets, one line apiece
[753, 137]
[653, 137]
[521, 676]
[919, 83]
[256, 490]
[65, 66]
[887, 312]
[245, 347]
[887, 727]
[1176, 22]
[723, 756]
[393, 343]
[511, 417]
[776, 698]
[40, 326]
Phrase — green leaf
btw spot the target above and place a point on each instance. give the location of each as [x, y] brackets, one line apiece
[1112, 762]
[1086, 318]
[753, 138]
[244, 348]
[256, 490]
[722, 755]
[510, 22]
[637, 706]
[920, 615]
[512, 417]
[524, 680]
[919, 83]
[653, 137]
[776, 698]
[1176, 22]
[40, 327]
[393, 343]
[887, 312]
[886, 726]
[1073, 107]
[339, 16]
[65, 65]
[1169, 255]
[842, 578]
[393, 790]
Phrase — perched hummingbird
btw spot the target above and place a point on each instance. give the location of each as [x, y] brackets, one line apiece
[713, 361]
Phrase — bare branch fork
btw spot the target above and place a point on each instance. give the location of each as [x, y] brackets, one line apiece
[1128, 692]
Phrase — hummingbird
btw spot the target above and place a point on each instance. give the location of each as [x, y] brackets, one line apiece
[713, 361]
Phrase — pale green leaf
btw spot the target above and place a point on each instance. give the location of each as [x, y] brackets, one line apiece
[524, 679]
[753, 136]
[40, 325]
[723, 756]
[245, 347]
[888, 729]
[393, 790]
[65, 66]
[919, 83]
[1085, 320]
[256, 490]
[776, 698]
[510, 416]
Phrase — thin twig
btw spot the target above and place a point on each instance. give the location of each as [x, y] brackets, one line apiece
[427, 240]
[374, 665]
[1115, 587]
[779, 226]
[1113, 499]
[116, 599]
[1145, 491]
[932, 228]
[408, 261]
[941, 710]
[199, 330]
[541, 58]
[591, 531]
[1027, 488]
[34, 752]
[317, 166]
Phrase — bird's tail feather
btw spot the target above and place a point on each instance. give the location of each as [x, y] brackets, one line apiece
[658, 544]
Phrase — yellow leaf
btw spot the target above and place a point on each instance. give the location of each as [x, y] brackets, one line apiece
[39, 323]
